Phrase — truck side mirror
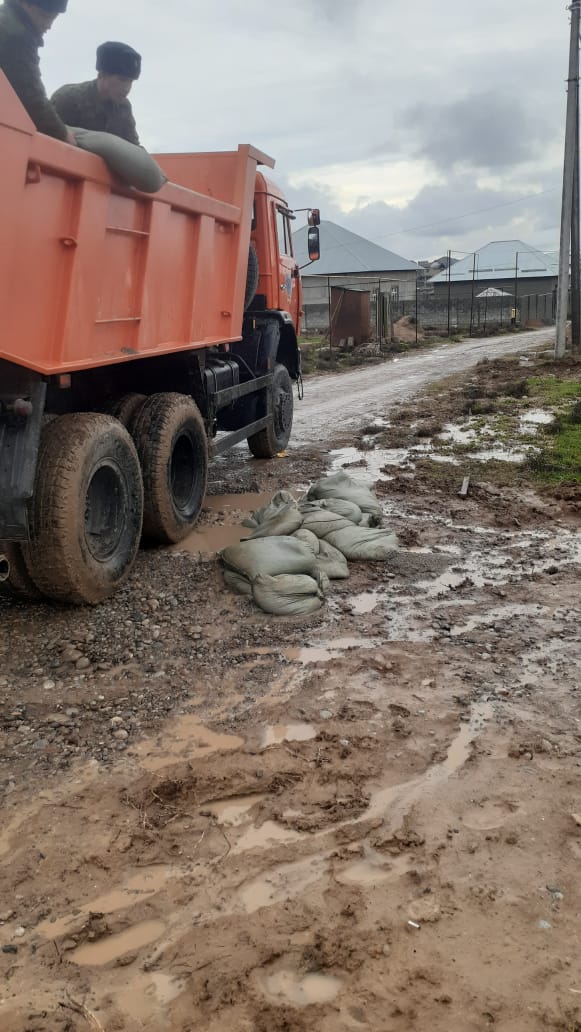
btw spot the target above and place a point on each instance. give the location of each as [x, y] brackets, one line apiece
[315, 217]
[313, 243]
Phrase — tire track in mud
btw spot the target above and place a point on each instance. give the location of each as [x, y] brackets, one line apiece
[338, 402]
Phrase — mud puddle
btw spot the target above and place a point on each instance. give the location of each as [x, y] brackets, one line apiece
[234, 811]
[298, 990]
[324, 651]
[277, 733]
[373, 869]
[112, 947]
[207, 539]
[392, 801]
[184, 738]
[140, 886]
[366, 602]
[282, 883]
[147, 993]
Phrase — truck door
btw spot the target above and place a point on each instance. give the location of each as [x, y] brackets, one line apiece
[288, 279]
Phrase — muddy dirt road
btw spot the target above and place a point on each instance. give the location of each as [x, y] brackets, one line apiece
[213, 820]
[340, 402]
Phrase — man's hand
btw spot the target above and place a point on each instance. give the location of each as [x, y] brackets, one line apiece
[71, 138]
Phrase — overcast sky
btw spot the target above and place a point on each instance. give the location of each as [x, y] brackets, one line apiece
[394, 117]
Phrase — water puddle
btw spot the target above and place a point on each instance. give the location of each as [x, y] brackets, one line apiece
[277, 733]
[247, 502]
[324, 651]
[114, 946]
[445, 458]
[281, 883]
[234, 811]
[461, 435]
[184, 738]
[299, 990]
[147, 993]
[373, 869]
[499, 614]
[502, 455]
[534, 418]
[137, 888]
[209, 540]
[458, 753]
[370, 462]
[266, 836]
[366, 602]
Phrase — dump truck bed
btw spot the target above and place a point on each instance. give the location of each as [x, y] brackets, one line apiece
[93, 273]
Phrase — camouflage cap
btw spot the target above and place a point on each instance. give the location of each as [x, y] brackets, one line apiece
[118, 59]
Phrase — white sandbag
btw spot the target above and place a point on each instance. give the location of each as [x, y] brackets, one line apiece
[332, 562]
[236, 582]
[279, 501]
[340, 485]
[269, 556]
[131, 163]
[349, 510]
[309, 539]
[282, 524]
[321, 522]
[287, 594]
[363, 543]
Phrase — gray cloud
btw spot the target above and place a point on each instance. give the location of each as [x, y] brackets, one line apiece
[489, 130]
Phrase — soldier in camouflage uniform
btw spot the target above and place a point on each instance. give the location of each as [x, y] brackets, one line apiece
[23, 24]
[102, 104]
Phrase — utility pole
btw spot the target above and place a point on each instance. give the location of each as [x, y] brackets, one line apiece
[472, 294]
[450, 270]
[568, 180]
[515, 288]
[576, 248]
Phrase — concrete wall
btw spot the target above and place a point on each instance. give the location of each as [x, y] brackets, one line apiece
[485, 312]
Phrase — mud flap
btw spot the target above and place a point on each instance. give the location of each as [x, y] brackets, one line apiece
[19, 440]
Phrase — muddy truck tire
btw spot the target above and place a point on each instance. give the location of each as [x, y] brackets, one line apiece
[15, 580]
[126, 408]
[172, 446]
[269, 442]
[87, 509]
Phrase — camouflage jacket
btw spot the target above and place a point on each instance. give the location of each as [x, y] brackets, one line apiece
[81, 106]
[20, 42]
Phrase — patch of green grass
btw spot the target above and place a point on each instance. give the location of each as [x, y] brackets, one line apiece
[552, 390]
[560, 459]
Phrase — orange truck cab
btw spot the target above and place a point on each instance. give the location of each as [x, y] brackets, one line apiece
[140, 335]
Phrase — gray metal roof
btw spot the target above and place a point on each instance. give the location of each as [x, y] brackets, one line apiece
[498, 261]
[344, 252]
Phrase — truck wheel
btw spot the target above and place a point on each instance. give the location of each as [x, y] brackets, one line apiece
[252, 276]
[18, 583]
[171, 442]
[274, 439]
[87, 509]
[125, 408]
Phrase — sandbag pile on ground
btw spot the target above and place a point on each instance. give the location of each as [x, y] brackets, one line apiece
[297, 547]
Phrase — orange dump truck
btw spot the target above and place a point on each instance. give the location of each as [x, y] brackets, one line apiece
[139, 336]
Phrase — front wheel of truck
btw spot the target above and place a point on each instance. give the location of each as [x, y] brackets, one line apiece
[171, 442]
[87, 509]
[274, 439]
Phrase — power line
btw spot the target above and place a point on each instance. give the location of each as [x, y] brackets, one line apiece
[467, 214]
